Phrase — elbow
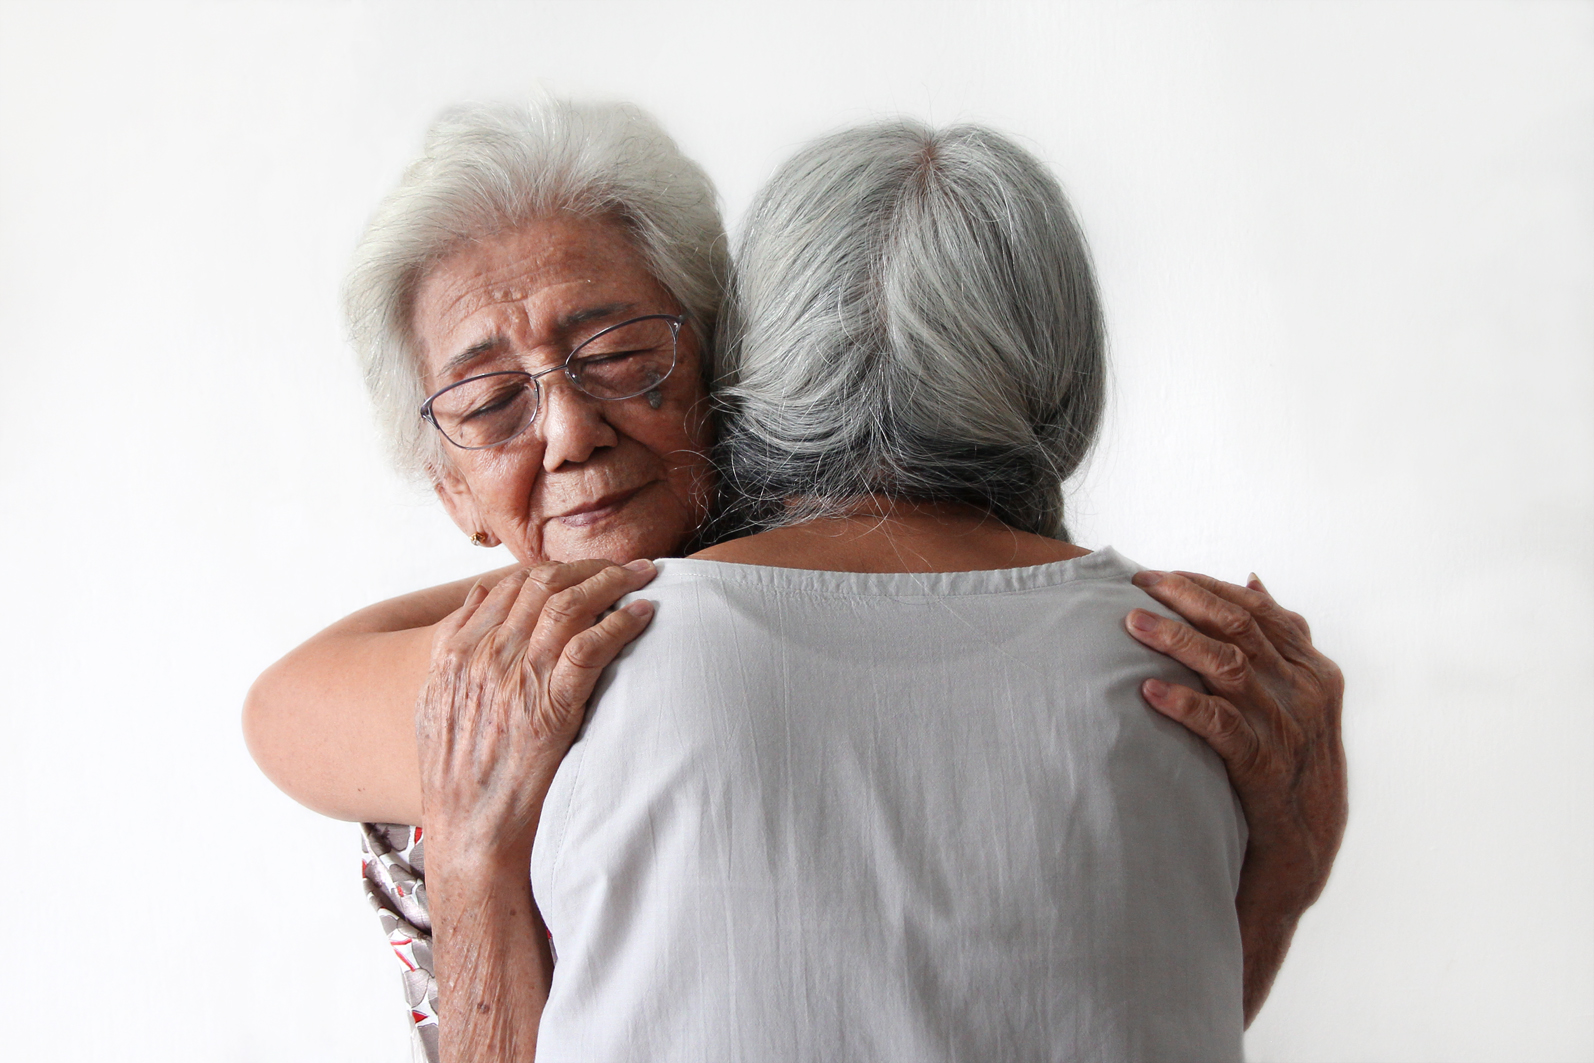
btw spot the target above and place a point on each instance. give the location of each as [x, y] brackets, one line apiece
[257, 721]
[265, 729]
[278, 740]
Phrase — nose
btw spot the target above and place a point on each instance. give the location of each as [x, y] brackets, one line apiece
[570, 424]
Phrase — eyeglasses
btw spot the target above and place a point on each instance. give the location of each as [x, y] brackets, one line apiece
[621, 362]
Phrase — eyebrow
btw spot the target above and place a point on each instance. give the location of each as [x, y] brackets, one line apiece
[581, 317]
[563, 326]
[473, 352]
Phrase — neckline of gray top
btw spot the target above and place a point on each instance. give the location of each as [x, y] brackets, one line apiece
[1103, 563]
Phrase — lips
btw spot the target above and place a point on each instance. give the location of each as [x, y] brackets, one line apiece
[589, 513]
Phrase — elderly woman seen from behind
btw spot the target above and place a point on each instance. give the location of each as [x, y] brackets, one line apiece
[518, 240]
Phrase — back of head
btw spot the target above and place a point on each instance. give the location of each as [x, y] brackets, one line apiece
[488, 168]
[914, 315]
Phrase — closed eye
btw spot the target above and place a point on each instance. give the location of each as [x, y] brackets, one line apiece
[497, 402]
[604, 359]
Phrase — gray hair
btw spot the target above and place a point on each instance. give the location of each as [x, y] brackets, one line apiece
[487, 169]
[914, 314]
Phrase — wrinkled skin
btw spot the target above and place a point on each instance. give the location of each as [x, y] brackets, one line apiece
[511, 668]
[511, 673]
[1272, 712]
[615, 480]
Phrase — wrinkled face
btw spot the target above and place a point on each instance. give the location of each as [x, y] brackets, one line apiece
[589, 478]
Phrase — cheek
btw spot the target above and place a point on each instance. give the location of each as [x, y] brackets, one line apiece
[681, 445]
[692, 482]
[664, 524]
[501, 482]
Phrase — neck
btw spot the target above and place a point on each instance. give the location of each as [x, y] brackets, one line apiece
[901, 511]
[877, 533]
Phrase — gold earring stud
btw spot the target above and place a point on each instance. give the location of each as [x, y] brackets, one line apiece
[478, 538]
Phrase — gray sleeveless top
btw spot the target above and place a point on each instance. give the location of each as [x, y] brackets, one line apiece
[842, 816]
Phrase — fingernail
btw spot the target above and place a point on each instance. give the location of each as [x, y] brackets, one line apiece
[640, 608]
[1155, 688]
[1141, 620]
[1148, 577]
[641, 564]
[1255, 583]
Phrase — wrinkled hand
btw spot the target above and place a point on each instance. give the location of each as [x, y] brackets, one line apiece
[511, 673]
[1273, 715]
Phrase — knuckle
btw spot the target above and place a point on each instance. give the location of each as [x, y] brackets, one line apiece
[1179, 634]
[585, 651]
[454, 654]
[1227, 726]
[1333, 679]
[1232, 667]
[1234, 740]
[1235, 624]
[547, 574]
[563, 605]
[568, 691]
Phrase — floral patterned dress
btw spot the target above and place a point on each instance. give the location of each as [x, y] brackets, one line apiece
[394, 866]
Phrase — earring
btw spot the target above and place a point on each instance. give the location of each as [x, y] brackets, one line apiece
[478, 538]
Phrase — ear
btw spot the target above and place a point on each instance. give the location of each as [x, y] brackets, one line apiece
[456, 496]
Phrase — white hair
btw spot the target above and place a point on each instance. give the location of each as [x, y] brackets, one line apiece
[488, 169]
[915, 315]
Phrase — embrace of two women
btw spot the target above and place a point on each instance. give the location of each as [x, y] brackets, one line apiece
[800, 729]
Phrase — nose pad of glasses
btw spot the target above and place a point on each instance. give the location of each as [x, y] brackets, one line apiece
[655, 398]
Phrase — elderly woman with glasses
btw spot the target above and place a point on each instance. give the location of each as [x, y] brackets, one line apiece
[536, 307]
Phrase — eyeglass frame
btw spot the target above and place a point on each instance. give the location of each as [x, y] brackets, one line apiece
[677, 321]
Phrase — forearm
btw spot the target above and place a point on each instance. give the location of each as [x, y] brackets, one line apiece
[1272, 897]
[333, 722]
[493, 962]
[1265, 937]
[1271, 710]
[502, 703]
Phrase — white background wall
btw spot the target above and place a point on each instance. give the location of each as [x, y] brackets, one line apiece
[1348, 259]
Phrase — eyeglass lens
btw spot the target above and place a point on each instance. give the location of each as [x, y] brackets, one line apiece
[618, 363]
[626, 360]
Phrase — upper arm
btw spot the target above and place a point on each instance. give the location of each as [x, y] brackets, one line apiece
[333, 722]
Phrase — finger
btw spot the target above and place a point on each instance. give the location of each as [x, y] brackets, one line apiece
[491, 611]
[1223, 666]
[586, 656]
[1209, 612]
[1284, 628]
[1214, 720]
[457, 619]
[1256, 584]
[543, 582]
[577, 608]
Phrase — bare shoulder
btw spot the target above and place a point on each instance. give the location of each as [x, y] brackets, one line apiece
[415, 609]
[1032, 550]
[778, 548]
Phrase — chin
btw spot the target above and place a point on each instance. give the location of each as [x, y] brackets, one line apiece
[653, 523]
[612, 544]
